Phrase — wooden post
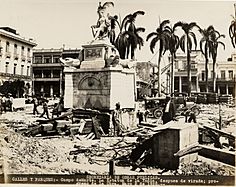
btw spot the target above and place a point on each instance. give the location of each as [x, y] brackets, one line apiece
[111, 167]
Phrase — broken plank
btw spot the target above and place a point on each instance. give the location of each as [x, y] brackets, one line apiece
[188, 150]
[220, 155]
[223, 133]
[132, 131]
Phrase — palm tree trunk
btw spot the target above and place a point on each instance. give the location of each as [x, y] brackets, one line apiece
[172, 74]
[127, 52]
[159, 74]
[189, 72]
[132, 53]
[214, 75]
[206, 69]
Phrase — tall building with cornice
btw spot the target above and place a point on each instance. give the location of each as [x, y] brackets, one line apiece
[225, 74]
[15, 60]
[48, 76]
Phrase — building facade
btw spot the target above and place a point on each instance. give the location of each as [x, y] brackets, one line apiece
[15, 60]
[225, 74]
[180, 72]
[48, 77]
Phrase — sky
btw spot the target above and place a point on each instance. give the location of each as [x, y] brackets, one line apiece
[54, 23]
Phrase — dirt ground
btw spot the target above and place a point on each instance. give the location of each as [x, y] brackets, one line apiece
[40, 155]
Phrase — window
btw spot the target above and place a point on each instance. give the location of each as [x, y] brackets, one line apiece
[56, 73]
[231, 74]
[212, 73]
[47, 60]
[7, 46]
[28, 71]
[22, 70]
[6, 67]
[28, 52]
[22, 50]
[15, 49]
[56, 59]
[14, 69]
[184, 65]
[222, 73]
[37, 73]
[0, 43]
[38, 60]
[203, 75]
[47, 74]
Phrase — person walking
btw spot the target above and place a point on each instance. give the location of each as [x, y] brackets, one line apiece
[35, 104]
[4, 103]
[169, 110]
[45, 109]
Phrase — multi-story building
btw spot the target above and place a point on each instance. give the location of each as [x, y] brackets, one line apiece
[180, 69]
[48, 77]
[225, 74]
[15, 58]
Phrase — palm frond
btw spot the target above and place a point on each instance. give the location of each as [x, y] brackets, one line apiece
[194, 38]
[163, 23]
[152, 34]
[153, 44]
[135, 14]
[182, 43]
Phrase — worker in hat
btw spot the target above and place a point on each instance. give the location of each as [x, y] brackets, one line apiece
[117, 120]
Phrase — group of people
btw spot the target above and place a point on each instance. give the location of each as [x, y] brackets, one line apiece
[57, 109]
[6, 102]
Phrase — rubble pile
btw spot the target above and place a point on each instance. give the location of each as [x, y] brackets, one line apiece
[204, 168]
[79, 153]
[209, 116]
[31, 155]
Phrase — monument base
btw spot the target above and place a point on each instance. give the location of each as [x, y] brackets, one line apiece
[99, 88]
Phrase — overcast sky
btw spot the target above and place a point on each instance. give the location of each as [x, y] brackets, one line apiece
[53, 23]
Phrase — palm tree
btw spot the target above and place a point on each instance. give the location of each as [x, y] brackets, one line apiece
[134, 41]
[111, 32]
[232, 29]
[128, 38]
[213, 51]
[161, 35]
[204, 47]
[173, 47]
[186, 43]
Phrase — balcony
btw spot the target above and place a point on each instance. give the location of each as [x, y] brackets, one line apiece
[23, 57]
[226, 79]
[47, 65]
[12, 76]
[46, 79]
[8, 54]
[15, 56]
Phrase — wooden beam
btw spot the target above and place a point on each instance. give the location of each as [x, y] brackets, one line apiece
[220, 155]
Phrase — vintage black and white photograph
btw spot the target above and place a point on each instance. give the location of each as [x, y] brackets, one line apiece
[118, 92]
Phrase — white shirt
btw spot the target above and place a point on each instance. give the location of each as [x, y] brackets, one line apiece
[167, 107]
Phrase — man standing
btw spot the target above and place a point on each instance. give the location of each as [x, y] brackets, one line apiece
[35, 103]
[4, 103]
[45, 108]
[117, 120]
[169, 110]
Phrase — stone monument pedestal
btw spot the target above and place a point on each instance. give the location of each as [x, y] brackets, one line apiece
[99, 88]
